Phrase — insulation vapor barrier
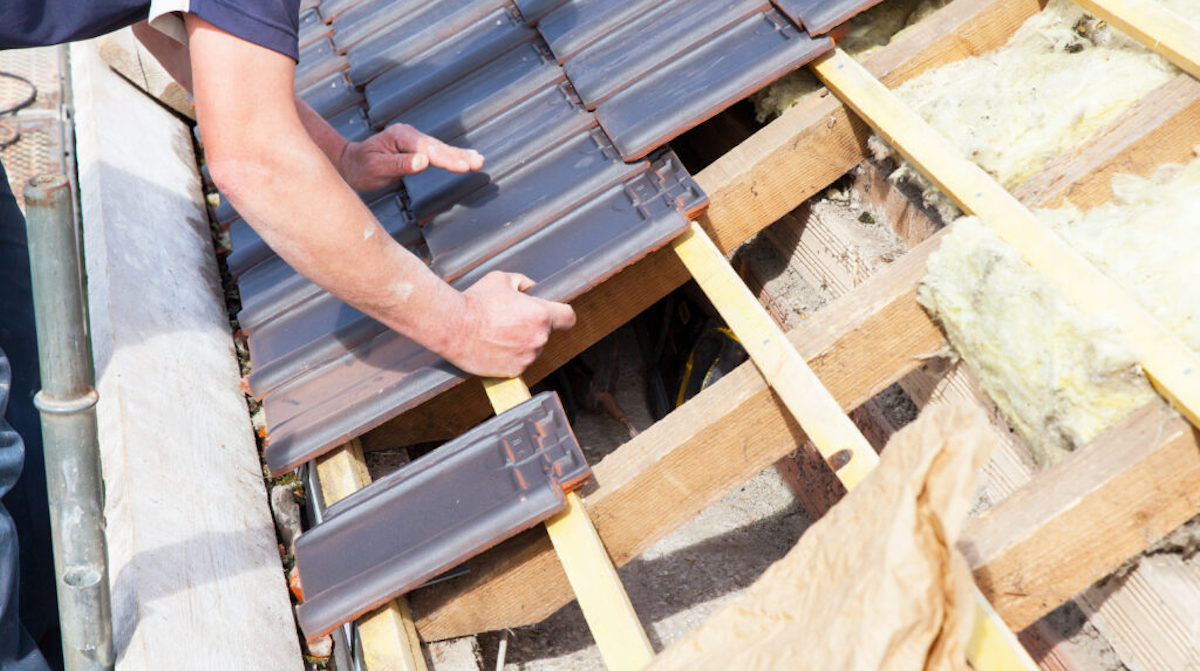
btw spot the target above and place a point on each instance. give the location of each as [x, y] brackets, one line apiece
[1059, 376]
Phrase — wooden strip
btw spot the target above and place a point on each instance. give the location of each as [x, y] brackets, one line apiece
[1081, 518]
[1160, 128]
[1160, 30]
[1154, 612]
[840, 442]
[698, 453]
[992, 645]
[1171, 366]
[606, 607]
[389, 638]
[795, 156]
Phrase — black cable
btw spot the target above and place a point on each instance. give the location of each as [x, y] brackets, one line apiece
[26, 102]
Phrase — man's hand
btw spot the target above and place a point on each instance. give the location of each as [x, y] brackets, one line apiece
[397, 151]
[278, 174]
[504, 329]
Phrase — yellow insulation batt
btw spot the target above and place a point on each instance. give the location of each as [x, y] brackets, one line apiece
[1059, 78]
[1059, 376]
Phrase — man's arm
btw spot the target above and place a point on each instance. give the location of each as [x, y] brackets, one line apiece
[264, 160]
[397, 151]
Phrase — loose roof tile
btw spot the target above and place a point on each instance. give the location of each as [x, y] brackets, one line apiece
[413, 524]
[819, 17]
[717, 73]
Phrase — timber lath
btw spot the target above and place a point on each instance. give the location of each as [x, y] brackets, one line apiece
[1030, 552]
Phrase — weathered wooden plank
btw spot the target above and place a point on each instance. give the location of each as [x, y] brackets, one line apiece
[1076, 521]
[197, 583]
[795, 156]
[387, 635]
[695, 455]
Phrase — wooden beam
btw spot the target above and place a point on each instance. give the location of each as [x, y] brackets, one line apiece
[1163, 127]
[840, 443]
[1076, 521]
[520, 583]
[1174, 37]
[992, 647]
[606, 607]
[1172, 367]
[795, 156]
[1153, 612]
[682, 464]
[389, 639]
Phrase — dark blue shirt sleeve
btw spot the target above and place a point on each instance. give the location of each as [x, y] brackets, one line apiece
[274, 24]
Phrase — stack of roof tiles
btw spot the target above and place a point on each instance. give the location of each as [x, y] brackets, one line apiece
[570, 101]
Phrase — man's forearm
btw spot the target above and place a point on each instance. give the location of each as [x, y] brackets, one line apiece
[326, 137]
[273, 161]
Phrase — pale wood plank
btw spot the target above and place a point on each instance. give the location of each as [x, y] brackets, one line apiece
[820, 416]
[765, 177]
[1076, 521]
[683, 463]
[1171, 366]
[606, 607]
[389, 638]
[197, 581]
[1174, 37]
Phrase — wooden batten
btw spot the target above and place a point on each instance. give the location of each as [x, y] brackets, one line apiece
[1083, 517]
[681, 465]
[387, 635]
[768, 175]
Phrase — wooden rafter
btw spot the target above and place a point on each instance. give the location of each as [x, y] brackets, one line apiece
[606, 608]
[880, 317]
[796, 156]
[1172, 367]
[389, 639]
